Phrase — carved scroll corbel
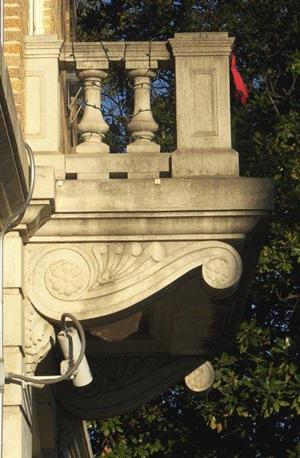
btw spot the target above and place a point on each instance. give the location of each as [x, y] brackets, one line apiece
[39, 338]
[93, 280]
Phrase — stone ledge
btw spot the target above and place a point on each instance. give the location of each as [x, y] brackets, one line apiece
[139, 226]
[94, 53]
[56, 161]
[167, 194]
[201, 44]
[44, 187]
[142, 163]
[212, 162]
[42, 46]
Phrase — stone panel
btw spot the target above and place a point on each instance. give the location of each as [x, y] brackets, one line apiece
[202, 90]
[42, 129]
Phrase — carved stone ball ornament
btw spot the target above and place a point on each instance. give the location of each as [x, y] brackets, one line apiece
[201, 379]
[97, 279]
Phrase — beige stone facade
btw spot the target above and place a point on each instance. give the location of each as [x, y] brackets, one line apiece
[152, 251]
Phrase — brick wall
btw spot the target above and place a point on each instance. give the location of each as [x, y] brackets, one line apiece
[55, 21]
[61, 19]
[56, 17]
[15, 28]
[50, 17]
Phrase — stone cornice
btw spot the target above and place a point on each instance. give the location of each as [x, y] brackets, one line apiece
[45, 46]
[201, 44]
[97, 55]
[142, 163]
[149, 226]
[176, 194]
[37, 214]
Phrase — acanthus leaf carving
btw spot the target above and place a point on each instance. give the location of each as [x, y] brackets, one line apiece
[102, 264]
[39, 338]
[97, 279]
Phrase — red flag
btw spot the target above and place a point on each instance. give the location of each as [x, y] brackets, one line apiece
[241, 88]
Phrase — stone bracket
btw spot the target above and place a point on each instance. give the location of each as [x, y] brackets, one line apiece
[94, 280]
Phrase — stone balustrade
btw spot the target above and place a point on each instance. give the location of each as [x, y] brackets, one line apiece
[90, 61]
[201, 65]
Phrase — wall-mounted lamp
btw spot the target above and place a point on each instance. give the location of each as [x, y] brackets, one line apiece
[75, 367]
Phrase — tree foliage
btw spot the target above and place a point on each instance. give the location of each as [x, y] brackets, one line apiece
[253, 408]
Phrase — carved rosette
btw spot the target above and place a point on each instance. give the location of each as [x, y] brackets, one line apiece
[39, 338]
[97, 279]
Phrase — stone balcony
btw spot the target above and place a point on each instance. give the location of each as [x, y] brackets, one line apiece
[157, 263]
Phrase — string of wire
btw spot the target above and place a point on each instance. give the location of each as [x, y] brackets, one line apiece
[99, 85]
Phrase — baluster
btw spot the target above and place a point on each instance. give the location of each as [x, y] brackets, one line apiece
[142, 126]
[92, 125]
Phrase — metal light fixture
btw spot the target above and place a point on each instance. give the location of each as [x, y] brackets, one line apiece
[75, 367]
